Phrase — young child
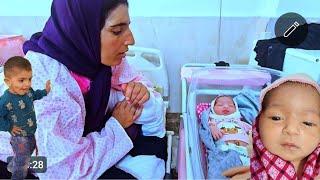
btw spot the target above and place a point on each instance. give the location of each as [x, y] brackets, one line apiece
[229, 133]
[17, 114]
[286, 134]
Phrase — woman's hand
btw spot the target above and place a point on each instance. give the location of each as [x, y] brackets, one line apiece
[242, 172]
[136, 93]
[126, 113]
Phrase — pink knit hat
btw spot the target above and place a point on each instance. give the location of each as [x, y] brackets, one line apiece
[300, 77]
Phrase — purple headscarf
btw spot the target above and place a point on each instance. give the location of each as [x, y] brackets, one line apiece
[72, 37]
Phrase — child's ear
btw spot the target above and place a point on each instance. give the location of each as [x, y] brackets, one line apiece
[7, 81]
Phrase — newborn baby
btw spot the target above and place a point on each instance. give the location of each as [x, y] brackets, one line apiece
[227, 128]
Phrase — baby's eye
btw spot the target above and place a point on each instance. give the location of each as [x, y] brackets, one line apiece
[307, 123]
[21, 80]
[275, 118]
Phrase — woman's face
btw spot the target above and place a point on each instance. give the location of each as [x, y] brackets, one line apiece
[116, 36]
[290, 123]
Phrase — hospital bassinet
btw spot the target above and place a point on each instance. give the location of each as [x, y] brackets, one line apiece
[201, 83]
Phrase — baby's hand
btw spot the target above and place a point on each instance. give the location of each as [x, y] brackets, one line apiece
[15, 130]
[48, 86]
[215, 131]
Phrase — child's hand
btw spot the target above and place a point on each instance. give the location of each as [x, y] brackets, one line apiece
[135, 92]
[215, 131]
[36, 150]
[48, 86]
[15, 130]
[126, 113]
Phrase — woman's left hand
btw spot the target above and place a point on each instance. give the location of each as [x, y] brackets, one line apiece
[136, 93]
[242, 172]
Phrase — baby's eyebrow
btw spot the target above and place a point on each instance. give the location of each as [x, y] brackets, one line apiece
[312, 111]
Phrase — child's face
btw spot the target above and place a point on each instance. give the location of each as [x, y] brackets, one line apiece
[19, 82]
[290, 123]
[224, 106]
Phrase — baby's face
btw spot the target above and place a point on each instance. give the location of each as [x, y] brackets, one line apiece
[224, 106]
[20, 82]
[290, 123]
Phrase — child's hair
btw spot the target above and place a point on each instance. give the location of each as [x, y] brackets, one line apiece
[16, 63]
[266, 98]
[228, 96]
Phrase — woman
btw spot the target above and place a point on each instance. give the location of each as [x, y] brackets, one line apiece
[77, 132]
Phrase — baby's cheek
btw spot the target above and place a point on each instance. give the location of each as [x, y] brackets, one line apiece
[263, 128]
[268, 132]
[313, 133]
[233, 109]
[318, 135]
[311, 139]
[263, 133]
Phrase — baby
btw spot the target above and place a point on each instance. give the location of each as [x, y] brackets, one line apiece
[227, 128]
[286, 134]
[225, 137]
[17, 114]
